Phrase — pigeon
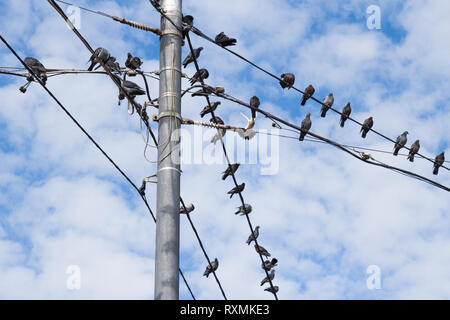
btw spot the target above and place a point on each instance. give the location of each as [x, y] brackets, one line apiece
[400, 143]
[262, 251]
[208, 109]
[269, 278]
[112, 64]
[250, 122]
[306, 125]
[230, 170]
[345, 114]
[205, 91]
[188, 23]
[253, 238]
[269, 264]
[244, 209]
[287, 81]
[100, 54]
[327, 104]
[224, 41]
[142, 188]
[221, 132]
[38, 69]
[309, 91]
[191, 58]
[254, 103]
[133, 62]
[415, 147]
[438, 162]
[211, 267]
[189, 208]
[199, 76]
[132, 89]
[274, 290]
[367, 125]
[237, 189]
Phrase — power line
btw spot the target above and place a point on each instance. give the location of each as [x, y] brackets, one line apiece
[89, 137]
[229, 164]
[202, 35]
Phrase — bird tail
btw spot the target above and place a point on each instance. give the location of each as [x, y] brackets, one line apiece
[411, 157]
[302, 136]
[396, 151]
[304, 100]
[342, 122]
[283, 84]
[231, 195]
[436, 170]
[324, 113]
[224, 176]
[91, 67]
[363, 134]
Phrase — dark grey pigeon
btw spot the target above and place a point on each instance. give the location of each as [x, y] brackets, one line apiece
[100, 54]
[224, 41]
[415, 147]
[205, 91]
[251, 237]
[367, 125]
[221, 132]
[211, 267]
[438, 162]
[274, 290]
[230, 170]
[132, 89]
[327, 104]
[306, 125]
[199, 76]
[254, 102]
[112, 64]
[266, 279]
[288, 80]
[133, 62]
[269, 264]
[188, 23]
[262, 251]
[37, 67]
[309, 92]
[244, 209]
[237, 189]
[401, 142]
[345, 114]
[207, 109]
[189, 208]
[190, 58]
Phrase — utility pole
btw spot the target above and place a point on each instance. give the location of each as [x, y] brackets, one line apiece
[167, 254]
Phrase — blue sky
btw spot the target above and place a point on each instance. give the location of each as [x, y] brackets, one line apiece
[324, 215]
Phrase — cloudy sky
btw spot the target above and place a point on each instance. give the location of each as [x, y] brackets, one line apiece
[326, 216]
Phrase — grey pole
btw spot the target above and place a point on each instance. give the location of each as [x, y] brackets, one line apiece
[168, 187]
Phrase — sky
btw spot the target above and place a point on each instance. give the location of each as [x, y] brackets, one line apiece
[324, 215]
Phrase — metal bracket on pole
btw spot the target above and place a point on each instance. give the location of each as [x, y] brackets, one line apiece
[164, 114]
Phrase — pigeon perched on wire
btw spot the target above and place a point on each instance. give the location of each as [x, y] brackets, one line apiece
[345, 114]
[288, 80]
[274, 290]
[38, 69]
[327, 104]
[268, 278]
[230, 170]
[208, 109]
[262, 251]
[415, 147]
[112, 64]
[254, 103]
[306, 125]
[224, 41]
[269, 264]
[237, 189]
[199, 76]
[205, 91]
[401, 142]
[188, 23]
[132, 89]
[191, 58]
[251, 237]
[438, 162]
[221, 132]
[309, 92]
[367, 125]
[100, 54]
[189, 208]
[244, 209]
[211, 267]
[133, 62]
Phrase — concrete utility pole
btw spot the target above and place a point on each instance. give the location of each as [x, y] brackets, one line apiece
[168, 187]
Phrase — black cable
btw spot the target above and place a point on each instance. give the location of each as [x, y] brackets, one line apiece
[228, 161]
[88, 135]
